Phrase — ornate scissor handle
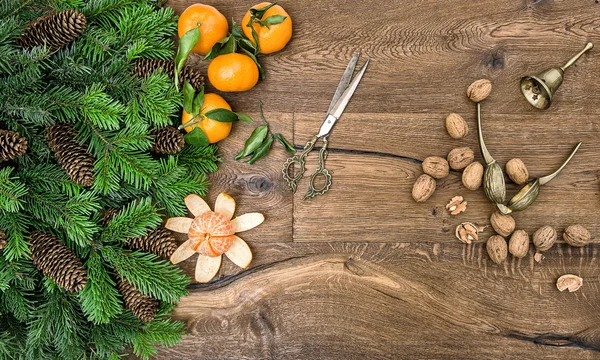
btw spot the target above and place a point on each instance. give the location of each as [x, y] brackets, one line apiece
[312, 191]
[297, 159]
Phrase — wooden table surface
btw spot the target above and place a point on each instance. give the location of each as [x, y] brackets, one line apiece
[364, 272]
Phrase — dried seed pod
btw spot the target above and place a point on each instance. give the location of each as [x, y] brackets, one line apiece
[479, 90]
[544, 238]
[517, 171]
[502, 224]
[456, 205]
[423, 188]
[577, 235]
[518, 245]
[436, 167]
[457, 126]
[497, 249]
[460, 158]
[569, 282]
[472, 176]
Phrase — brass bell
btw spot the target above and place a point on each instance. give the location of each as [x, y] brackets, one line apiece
[539, 89]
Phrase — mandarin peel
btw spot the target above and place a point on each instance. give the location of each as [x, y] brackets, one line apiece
[212, 234]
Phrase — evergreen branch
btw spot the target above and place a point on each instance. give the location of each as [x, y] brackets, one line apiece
[99, 299]
[158, 332]
[15, 225]
[133, 220]
[147, 273]
[11, 191]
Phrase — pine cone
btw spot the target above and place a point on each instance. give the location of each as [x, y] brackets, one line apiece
[169, 140]
[72, 157]
[144, 307]
[145, 67]
[12, 145]
[2, 239]
[57, 262]
[108, 215]
[55, 30]
[160, 242]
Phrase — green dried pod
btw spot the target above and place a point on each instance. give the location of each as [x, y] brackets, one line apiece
[493, 178]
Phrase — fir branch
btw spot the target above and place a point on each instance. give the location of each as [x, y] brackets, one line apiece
[148, 273]
[133, 220]
[99, 299]
[15, 225]
[11, 191]
[158, 332]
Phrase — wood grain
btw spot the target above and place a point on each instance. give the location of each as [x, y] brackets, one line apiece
[366, 273]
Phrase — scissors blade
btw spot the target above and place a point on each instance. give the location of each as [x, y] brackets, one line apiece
[342, 102]
[345, 81]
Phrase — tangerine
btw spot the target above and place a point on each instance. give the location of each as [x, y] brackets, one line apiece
[233, 72]
[211, 234]
[274, 37]
[215, 130]
[211, 23]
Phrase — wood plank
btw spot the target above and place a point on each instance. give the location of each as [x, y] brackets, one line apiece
[358, 301]
[424, 53]
[375, 159]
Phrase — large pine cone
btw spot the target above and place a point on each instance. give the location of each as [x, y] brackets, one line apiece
[12, 145]
[72, 157]
[160, 242]
[169, 140]
[144, 307]
[57, 262]
[55, 30]
[145, 67]
[2, 239]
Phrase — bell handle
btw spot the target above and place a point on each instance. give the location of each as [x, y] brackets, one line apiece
[487, 157]
[545, 179]
[587, 47]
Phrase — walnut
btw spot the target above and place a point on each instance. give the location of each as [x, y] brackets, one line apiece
[423, 188]
[472, 176]
[502, 224]
[479, 90]
[460, 158]
[456, 205]
[544, 238]
[497, 249]
[518, 245]
[517, 171]
[436, 167]
[468, 232]
[569, 282]
[577, 235]
[457, 126]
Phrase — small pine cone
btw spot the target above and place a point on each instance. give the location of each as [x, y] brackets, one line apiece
[12, 145]
[72, 157]
[108, 215]
[57, 262]
[159, 241]
[2, 239]
[169, 140]
[145, 67]
[144, 307]
[55, 30]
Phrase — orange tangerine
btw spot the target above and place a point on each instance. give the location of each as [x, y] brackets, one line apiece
[233, 72]
[273, 38]
[215, 130]
[211, 234]
[211, 23]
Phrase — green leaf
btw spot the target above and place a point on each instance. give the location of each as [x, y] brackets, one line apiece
[222, 115]
[259, 13]
[254, 141]
[255, 37]
[236, 30]
[260, 68]
[244, 118]
[262, 150]
[198, 102]
[188, 97]
[274, 19]
[288, 147]
[196, 137]
[186, 44]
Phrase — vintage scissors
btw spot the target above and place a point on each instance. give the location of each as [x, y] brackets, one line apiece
[341, 98]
